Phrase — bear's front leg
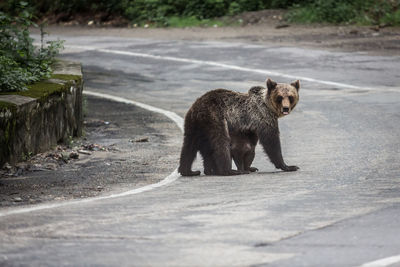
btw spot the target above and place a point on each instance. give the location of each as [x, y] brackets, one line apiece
[272, 146]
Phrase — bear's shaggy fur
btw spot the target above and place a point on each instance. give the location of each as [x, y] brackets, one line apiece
[223, 124]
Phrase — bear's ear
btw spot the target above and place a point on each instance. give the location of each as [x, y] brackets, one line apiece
[296, 85]
[271, 85]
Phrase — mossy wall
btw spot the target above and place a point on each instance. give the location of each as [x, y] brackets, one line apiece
[49, 112]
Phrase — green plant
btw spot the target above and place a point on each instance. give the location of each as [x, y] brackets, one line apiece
[384, 11]
[69, 141]
[346, 11]
[330, 11]
[393, 18]
[26, 156]
[22, 63]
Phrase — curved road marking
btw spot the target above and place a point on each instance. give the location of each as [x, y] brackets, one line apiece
[221, 65]
[169, 114]
[383, 262]
[167, 180]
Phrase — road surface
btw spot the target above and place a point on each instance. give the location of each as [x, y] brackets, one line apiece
[342, 208]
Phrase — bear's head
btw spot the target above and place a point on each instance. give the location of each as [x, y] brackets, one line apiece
[282, 97]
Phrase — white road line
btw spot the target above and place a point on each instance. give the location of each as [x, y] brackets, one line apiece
[383, 262]
[169, 114]
[167, 180]
[222, 65]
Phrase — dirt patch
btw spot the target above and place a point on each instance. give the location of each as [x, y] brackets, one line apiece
[268, 16]
[125, 147]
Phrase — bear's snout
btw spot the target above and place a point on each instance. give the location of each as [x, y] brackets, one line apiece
[285, 110]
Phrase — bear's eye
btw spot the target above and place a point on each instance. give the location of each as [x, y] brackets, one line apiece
[279, 99]
[291, 99]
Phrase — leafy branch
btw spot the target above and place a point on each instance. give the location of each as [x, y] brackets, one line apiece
[21, 63]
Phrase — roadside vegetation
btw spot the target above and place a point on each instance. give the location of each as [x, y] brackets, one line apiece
[184, 13]
[362, 12]
[21, 63]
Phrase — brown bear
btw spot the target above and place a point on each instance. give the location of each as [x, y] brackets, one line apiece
[223, 124]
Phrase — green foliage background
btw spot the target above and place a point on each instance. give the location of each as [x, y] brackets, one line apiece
[160, 11]
[22, 63]
[365, 12]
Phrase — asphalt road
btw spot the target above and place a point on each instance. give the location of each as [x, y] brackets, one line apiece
[342, 208]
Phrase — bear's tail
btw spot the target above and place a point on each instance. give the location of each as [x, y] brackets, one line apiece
[188, 154]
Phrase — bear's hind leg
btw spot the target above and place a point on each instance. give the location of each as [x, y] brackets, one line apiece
[209, 165]
[206, 152]
[220, 145]
[238, 157]
[223, 159]
[188, 154]
[208, 160]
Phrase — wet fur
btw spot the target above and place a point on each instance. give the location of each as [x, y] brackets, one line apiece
[220, 116]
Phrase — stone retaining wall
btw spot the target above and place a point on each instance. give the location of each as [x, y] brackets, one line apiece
[29, 125]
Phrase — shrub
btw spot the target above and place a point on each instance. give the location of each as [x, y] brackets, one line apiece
[330, 11]
[345, 11]
[21, 62]
[393, 18]
[384, 11]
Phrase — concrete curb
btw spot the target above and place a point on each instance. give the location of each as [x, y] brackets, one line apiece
[32, 122]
